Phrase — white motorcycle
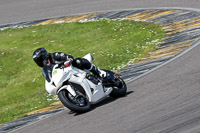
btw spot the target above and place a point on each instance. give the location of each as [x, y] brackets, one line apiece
[78, 89]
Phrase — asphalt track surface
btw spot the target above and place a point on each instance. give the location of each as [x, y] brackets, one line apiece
[12, 11]
[166, 100]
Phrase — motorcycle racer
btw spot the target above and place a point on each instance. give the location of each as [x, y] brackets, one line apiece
[76, 89]
[43, 58]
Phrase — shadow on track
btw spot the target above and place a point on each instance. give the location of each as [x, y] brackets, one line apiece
[103, 102]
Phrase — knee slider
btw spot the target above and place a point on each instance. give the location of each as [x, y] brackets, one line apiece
[82, 63]
[78, 62]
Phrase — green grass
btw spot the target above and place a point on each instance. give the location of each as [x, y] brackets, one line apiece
[112, 43]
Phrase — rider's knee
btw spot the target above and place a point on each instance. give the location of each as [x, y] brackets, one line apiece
[82, 63]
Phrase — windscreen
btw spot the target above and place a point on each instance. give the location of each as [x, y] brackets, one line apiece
[47, 72]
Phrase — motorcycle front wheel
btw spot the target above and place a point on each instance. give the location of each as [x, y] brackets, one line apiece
[79, 103]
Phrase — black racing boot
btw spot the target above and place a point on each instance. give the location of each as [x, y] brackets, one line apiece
[95, 71]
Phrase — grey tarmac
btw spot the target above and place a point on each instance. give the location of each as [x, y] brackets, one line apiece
[15, 11]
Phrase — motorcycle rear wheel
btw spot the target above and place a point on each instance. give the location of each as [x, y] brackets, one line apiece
[120, 90]
[79, 104]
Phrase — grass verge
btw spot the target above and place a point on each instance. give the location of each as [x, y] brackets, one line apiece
[114, 45]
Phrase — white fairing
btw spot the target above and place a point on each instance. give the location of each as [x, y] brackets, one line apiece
[73, 75]
[50, 88]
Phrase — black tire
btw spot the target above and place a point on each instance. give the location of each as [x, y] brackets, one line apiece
[119, 90]
[64, 97]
